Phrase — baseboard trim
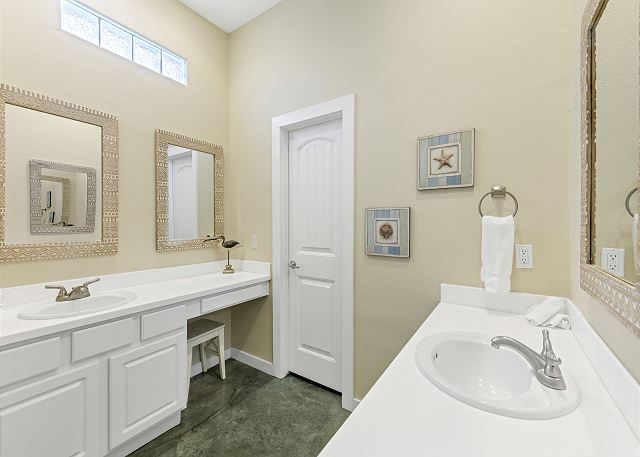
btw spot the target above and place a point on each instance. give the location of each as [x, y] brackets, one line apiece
[253, 361]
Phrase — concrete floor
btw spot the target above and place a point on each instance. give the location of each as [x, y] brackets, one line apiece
[251, 414]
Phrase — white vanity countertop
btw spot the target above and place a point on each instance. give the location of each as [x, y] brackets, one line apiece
[150, 295]
[405, 415]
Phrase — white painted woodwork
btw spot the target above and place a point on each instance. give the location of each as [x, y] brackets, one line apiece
[146, 385]
[161, 322]
[183, 198]
[217, 302]
[101, 338]
[30, 360]
[54, 417]
[199, 333]
[314, 231]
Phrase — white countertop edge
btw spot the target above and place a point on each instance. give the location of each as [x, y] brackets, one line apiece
[30, 293]
[621, 385]
[17, 331]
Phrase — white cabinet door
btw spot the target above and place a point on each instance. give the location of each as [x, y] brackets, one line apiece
[146, 385]
[54, 417]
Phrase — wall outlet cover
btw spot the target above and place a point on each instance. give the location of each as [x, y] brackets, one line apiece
[524, 256]
[612, 261]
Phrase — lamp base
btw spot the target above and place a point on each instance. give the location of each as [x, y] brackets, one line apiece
[228, 269]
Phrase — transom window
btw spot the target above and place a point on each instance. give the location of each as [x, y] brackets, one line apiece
[91, 26]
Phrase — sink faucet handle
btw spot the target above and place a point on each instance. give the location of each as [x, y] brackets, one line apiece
[552, 361]
[62, 292]
[90, 282]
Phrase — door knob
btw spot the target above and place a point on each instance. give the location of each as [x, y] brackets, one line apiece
[293, 264]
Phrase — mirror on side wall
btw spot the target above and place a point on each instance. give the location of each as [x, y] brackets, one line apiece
[189, 189]
[610, 117]
[60, 169]
[615, 130]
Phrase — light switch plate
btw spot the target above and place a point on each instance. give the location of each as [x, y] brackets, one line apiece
[524, 256]
[254, 241]
[612, 260]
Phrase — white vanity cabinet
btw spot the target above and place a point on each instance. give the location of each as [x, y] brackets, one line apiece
[56, 416]
[146, 385]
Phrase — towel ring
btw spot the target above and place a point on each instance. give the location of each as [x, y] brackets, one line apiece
[626, 200]
[499, 192]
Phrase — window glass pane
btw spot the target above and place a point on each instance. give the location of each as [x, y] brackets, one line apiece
[115, 39]
[146, 54]
[174, 67]
[80, 22]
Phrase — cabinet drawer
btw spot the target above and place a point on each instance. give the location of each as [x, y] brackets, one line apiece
[101, 338]
[233, 298]
[167, 320]
[56, 416]
[29, 360]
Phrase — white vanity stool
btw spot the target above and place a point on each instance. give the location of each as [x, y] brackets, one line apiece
[198, 334]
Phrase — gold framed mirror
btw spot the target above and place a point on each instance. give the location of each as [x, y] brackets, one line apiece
[610, 130]
[47, 140]
[189, 192]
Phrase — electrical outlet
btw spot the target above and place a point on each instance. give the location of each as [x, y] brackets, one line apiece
[524, 256]
[612, 260]
[254, 241]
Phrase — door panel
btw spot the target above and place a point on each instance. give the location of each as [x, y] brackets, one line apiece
[55, 417]
[147, 385]
[314, 218]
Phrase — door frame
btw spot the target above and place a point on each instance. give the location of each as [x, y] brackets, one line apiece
[342, 108]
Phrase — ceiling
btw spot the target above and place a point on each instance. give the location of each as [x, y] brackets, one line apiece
[230, 14]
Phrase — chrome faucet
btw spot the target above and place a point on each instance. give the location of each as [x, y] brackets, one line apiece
[75, 294]
[545, 365]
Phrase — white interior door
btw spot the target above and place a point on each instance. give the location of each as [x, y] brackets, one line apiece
[314, 231]
[182, 199]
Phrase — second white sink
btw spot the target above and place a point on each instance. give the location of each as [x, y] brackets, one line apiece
[94, 303]
[465, 366]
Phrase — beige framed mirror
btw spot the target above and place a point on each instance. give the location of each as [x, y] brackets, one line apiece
[189, 192]
[610, 130]
[58, 179]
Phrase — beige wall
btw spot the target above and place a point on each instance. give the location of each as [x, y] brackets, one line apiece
[625, 345]
[416, 68]
[36, 55]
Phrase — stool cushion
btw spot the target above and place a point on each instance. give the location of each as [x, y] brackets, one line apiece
[200, 327]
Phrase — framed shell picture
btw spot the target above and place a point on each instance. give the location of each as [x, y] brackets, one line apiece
[446, 160]
[387, 231]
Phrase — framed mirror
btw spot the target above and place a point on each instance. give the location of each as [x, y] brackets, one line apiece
[189, 192]
[63, 198]
[610, 249]
[58, 179]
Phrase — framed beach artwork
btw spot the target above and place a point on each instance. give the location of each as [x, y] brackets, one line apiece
[446, 160]
[387, 231]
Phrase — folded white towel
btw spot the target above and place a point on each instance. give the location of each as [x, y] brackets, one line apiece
[498, 234]
[549, 313]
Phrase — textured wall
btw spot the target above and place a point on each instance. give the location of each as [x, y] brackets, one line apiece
[416, 68]
[36, 55]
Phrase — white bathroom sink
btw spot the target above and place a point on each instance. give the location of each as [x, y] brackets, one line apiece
[99, 302]
[465, 366]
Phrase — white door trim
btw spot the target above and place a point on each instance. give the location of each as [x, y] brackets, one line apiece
[341, 108]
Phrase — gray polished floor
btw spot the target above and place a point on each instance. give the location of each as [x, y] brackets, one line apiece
[251, 414]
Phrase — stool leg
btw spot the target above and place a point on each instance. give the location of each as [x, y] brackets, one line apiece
[223, 373]
[203, 359]
[189, 362]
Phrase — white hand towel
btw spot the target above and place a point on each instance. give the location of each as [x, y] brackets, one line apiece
[549, 313]
[498, 234]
